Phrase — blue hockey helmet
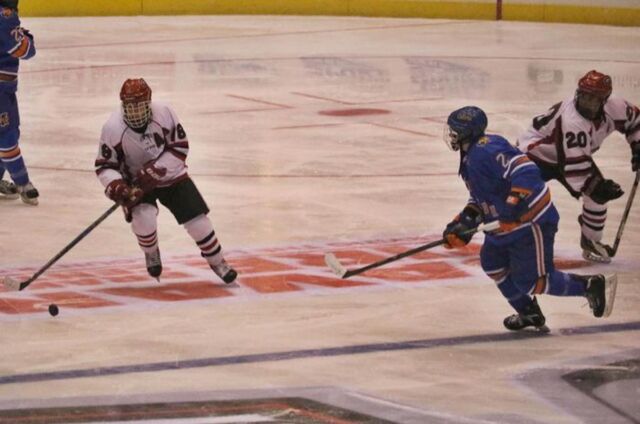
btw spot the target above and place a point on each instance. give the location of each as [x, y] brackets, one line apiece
[11, 4]
[464, 125]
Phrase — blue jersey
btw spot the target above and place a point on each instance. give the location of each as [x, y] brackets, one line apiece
[492, 169]
[16, 43]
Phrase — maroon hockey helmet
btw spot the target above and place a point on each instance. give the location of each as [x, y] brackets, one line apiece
[594, 88]
[596, 83]
[135, 95]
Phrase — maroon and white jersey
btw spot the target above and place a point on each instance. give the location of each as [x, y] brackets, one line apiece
[563, 138]
[123, 151]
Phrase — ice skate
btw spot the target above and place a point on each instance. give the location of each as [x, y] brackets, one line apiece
[601, 293]
[28, 193]
[8, 190]
[154, 264]
[225, 272]
[595, 251]
[531, 317]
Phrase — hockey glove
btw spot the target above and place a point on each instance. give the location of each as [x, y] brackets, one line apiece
[458, 232]
[120, 192]
[149, 177]
[635, 156]
[26, 32]
[602, 190]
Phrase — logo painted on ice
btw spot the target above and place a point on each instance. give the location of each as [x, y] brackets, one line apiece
[293, 270]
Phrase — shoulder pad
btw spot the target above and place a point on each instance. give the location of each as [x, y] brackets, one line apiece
[483, 141]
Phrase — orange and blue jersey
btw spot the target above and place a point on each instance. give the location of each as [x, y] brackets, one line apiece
[492, 170]
[16, 43]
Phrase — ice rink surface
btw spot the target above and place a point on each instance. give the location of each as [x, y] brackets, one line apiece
[307, 135]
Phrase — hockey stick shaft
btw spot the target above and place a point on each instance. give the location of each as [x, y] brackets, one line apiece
[69, 246]
[489, 227]
[413, 251]
[625, 214]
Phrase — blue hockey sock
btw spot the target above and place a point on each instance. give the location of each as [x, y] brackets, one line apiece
[518, 300]
[17, 170]
[563, 284]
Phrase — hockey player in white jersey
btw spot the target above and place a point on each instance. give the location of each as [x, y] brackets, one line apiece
[563, 140]
[141, 159]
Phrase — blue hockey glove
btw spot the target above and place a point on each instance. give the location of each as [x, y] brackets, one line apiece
[458, 232]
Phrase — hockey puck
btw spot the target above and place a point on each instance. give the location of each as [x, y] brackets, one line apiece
[53, 310]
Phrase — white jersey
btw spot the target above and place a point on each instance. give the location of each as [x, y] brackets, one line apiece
[565, 139]
[123, 151]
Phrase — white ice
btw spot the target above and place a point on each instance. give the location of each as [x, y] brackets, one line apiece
[276, 173]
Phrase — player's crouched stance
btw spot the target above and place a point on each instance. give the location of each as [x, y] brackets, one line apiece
[141, 160]
[505, 185]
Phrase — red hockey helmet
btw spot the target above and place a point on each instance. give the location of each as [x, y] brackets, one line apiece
[594, 88]
[596, 83]
[135, 95]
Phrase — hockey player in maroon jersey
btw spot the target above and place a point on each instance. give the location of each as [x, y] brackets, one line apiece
[141, 160]
[563, 140]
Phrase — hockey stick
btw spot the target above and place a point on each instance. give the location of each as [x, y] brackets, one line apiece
[15, 285]
[625, 215]
[335, 265]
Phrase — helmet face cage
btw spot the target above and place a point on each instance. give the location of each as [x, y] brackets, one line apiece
[136, 103]
[594, 88]
[136, 115]
[451, 138]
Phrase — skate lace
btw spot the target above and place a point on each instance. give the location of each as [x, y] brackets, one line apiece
[592, 298]
[7, 187]
[222, 269]
[28, 190]
[153, 259]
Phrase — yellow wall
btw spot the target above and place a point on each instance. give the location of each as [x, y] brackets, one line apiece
[536, 10]
[570, 13]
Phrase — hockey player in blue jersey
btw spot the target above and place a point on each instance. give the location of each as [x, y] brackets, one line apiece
[504, 185]
[16, 43]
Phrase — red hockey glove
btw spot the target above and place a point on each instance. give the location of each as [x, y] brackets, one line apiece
[120, 192]
[149, 177]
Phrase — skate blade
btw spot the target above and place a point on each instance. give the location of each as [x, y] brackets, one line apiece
[610, 287]
[32, 202]
[9, 196]
[542, 329]
[595, 258]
